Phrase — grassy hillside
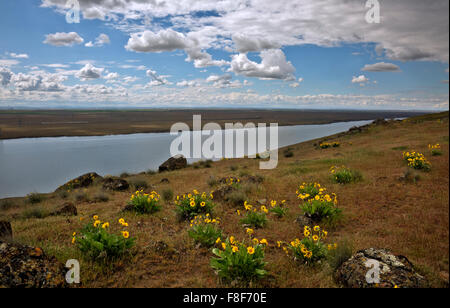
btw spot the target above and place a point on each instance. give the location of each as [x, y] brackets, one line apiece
[386, 209]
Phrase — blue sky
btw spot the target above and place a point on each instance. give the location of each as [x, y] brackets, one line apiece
[249, 53]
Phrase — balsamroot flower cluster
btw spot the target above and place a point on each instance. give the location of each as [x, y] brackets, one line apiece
[417, 161]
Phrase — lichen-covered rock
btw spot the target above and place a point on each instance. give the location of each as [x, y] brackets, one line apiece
[394, 271]
[115, 184]
[82, 181]
[29, 267]
[67, 209]
[5, 230]
[174, 163]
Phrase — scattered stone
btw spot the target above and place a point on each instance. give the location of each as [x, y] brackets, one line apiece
[174, 163]
[262, 201]
[395, 270]
[115, 184]
[83, 181]
[128, 208]
[304, 220]
[165, 180]
[67, 209]
[5, 230]
[29, 267]
[222, 193]
[253, 179]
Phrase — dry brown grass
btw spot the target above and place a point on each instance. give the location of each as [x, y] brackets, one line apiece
[381, 211]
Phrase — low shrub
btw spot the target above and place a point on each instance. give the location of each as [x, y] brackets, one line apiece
[326, 145]
[138, 184]
[435, 150]
[417, 161]
[288, 153]
[237, 197]
[238, 262]
[98, 242]
[81, 196]
[100, 196]
[35, 198]
[311, 249]
[253, 217]
[167, 194]
[190, 205]
[338, 254]
[322, 207]
[143, 203]
[34, 212]
[204, 230]
[212, 181]
[278, 209]
[344, 175]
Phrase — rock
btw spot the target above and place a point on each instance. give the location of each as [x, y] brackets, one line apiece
[115, 184]
[174, 163]
[253, 179]
[29, 267]
[128, 208]
[395, 270]
[165, 180]
[262, 201]
[5, 230]
[67, 209]
[305, 221]
[380, 122]
[222, 193]
[83, 181]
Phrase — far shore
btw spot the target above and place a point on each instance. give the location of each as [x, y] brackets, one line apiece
[16, 124]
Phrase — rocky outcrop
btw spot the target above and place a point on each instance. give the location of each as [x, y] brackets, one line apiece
[174, 163]
[115, 184]
[83, 181]
[67, 209]
[29, 267]
[5, 230]
[223, 193]
[394, 271]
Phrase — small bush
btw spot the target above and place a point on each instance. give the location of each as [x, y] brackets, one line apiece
[341, 253]
[278, 209]
[151, 172]
[124, 175]
[35, 212]
[145, 203]
[435, 150]
[253, 217]
[63, 194]
[98, 242]
[212, 181]
[100, 197]
[81, 196]
[6, 205]
[205, 230]
[344, 175]
[238, 262]
[138, 184]
[190, 205]
[288, 153]
[411, 176]
[326, 145]
[234, 167]
[322, 207]
[417, 161]
[237, 198]
[34, 198]
[311, 249]
[308, 191]
[167, 194]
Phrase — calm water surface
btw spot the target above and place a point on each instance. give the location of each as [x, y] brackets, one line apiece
[42, 164]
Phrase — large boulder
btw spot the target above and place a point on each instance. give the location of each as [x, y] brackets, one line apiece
[5, 230]
[29, 267]
[82, 181]
[67, 209]
[174, 163]
[115, 184]
[394, 270]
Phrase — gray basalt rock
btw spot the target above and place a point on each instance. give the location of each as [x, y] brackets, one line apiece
[394, 271]
[67, 209]
[82, 181]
